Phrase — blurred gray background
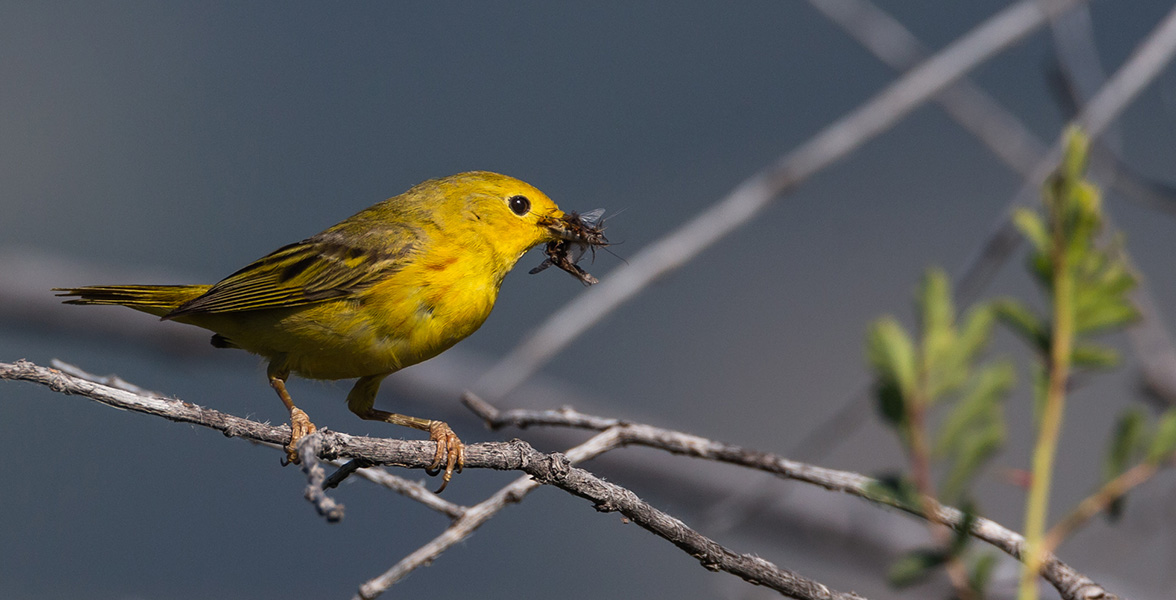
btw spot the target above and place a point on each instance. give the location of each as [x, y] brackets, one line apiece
[174, 142]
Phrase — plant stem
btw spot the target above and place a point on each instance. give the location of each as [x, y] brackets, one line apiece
[1061, 348]
[920, 457]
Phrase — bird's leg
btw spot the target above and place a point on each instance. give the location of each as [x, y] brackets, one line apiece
[450, 450]
[300, 425]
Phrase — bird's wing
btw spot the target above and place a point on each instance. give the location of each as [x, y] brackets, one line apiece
[328, 265]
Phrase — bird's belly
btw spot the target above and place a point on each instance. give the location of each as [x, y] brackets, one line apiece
[347, 338]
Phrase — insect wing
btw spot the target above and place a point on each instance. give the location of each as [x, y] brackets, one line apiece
[592, 218]
[542, 267]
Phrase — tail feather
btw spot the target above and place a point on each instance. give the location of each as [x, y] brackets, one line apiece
[154, 299]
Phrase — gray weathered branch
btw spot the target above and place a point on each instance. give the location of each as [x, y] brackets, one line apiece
[1071, 584]
[551, 469]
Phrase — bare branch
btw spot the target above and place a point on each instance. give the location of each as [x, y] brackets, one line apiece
[564, 417]
[1145, 63]
[1098, 502]
[551, 469]
[739, 207]
[1069, 583]
[309, 448]
[473, 518]
[379, 476]
[404, 487]
[113, 381]
[980, 114]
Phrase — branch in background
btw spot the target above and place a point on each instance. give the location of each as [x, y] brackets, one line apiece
[976, 111]
[1082, 75]
[1071, 584]
[550, 469]
[1145, 63]
[830, 145]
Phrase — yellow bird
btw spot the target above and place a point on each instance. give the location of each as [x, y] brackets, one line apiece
[396, 284]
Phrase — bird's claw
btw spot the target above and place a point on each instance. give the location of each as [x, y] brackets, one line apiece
[450, 452]
[300, 427]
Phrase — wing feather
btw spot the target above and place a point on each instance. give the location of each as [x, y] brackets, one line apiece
[328, 265]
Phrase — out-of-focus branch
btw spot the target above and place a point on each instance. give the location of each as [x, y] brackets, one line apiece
[1079, 65]
[1145, 63]
[739, 207]
[1071, 584]
[1008, 139]
[977, 112]
[551, 469]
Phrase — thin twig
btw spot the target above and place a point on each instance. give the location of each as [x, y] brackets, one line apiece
[113, 381]
[409, 489]
[551, 469]
[343, 472]
[564, 417]
[743, 203]
[309, 448]
[1098, 502]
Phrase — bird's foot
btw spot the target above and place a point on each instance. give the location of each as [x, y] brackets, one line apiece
[450, 452]
[300, 427]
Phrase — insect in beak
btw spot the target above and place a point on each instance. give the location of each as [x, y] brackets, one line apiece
[578, 233]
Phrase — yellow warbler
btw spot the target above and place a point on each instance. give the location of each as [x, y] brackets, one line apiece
[396, 284]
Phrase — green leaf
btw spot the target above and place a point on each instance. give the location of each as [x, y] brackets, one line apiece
[892, 355]
[1032, 227]
[1163, 444]
[1126, 440]
[963, 534]
[891, 405]
[976, 332]
[972, 451]
[1103, 312]
[897, 490]
[915, 567]
[1130, 432]
[938, 315]
[1024, 322]
[955, 364]
[980, 404]
[975, 429]
[982, 573]
[1093, 356]
[1086, 198]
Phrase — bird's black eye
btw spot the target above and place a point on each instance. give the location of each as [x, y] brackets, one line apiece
[519, 205]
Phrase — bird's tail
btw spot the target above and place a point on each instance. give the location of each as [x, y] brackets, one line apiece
[158, 300]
